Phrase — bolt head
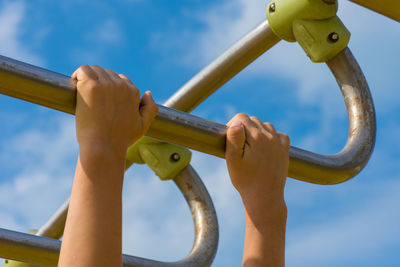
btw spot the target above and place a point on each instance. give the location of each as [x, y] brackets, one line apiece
[272, 7]
[333, 37]
[175, 157]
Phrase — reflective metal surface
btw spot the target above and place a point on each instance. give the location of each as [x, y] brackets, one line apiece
[54, 227]
[44, 251]
[389, 8]
[50, 89]
[230, 63]
[320, 169]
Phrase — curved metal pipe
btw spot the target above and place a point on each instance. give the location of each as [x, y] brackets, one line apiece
[44, 251]
[320, 169]
[54, 90]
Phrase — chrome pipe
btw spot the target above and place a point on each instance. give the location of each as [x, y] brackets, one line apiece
[221, 70]
[54, 227]
[54, 90]
[334, 169]
[45, 251]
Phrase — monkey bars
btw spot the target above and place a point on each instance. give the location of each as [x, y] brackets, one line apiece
[174, 125]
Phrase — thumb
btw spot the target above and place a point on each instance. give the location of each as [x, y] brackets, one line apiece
[148, 110]
[235, 140]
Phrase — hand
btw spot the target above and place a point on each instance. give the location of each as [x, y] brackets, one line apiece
[109, 112]
[257, 157]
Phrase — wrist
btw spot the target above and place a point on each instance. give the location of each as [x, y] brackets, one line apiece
[106, 160]
[102, 150]
[261, 214]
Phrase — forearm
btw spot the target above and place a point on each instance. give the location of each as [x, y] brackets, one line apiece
[265, 237]
[92, 235]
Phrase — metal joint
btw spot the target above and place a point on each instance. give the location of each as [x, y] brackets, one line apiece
[312, 23]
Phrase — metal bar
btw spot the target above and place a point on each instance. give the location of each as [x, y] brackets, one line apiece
[54, 227]
[44, 251]
[388, 8]
[50, 89]
[36, 85]
[226, 66]
[320, 169]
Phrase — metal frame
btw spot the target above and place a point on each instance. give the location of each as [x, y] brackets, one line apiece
[56, 91]
[44, 251]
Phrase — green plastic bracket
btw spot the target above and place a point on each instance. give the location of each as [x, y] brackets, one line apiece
[11, 263]
[166, 160]
[312, 23]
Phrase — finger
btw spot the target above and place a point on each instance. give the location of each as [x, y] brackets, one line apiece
[114, 77]
[84, 73]
[242, 117]
[269, 127]
[101, 73]
[251, 130]
[257, 122]
[285, 140]
[112, 74]
[148, 110]
[126, 78]
[235, 140]
[128, 82]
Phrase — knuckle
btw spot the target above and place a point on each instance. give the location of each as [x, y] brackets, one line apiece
[270, 125]
[120, 83]
[135, 92]
[92, 84]
[258, 136]
[242, 115]
[83, 67]
[285, 137]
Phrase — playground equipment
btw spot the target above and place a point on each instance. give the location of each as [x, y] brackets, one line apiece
[312, 23]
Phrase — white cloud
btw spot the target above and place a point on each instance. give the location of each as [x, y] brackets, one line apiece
[41, 163]
[103, 36]
[365, 228]
[12, 14]
[108, 32]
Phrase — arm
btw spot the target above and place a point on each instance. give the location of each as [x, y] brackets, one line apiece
[258, 159]
[109, 117]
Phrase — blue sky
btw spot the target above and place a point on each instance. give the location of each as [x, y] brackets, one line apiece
[162, 44]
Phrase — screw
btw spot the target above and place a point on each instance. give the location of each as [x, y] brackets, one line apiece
[272, 7]
[333, 37]
[175, 157]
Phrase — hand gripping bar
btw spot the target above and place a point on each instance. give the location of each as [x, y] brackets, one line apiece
[56, 91]
[44, 251]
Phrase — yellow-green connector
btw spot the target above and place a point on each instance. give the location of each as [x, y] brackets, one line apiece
[166, 160]
[312, 23]
[11, 263]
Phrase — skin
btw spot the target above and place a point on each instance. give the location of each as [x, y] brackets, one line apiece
[258, 158]
[93, 235]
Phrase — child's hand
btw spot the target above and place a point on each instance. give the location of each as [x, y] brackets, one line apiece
[257, 157]
[109, 112]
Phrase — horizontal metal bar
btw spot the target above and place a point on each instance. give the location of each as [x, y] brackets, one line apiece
[44, 251]
[221, 70]
[54, 90]
[388, 8]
